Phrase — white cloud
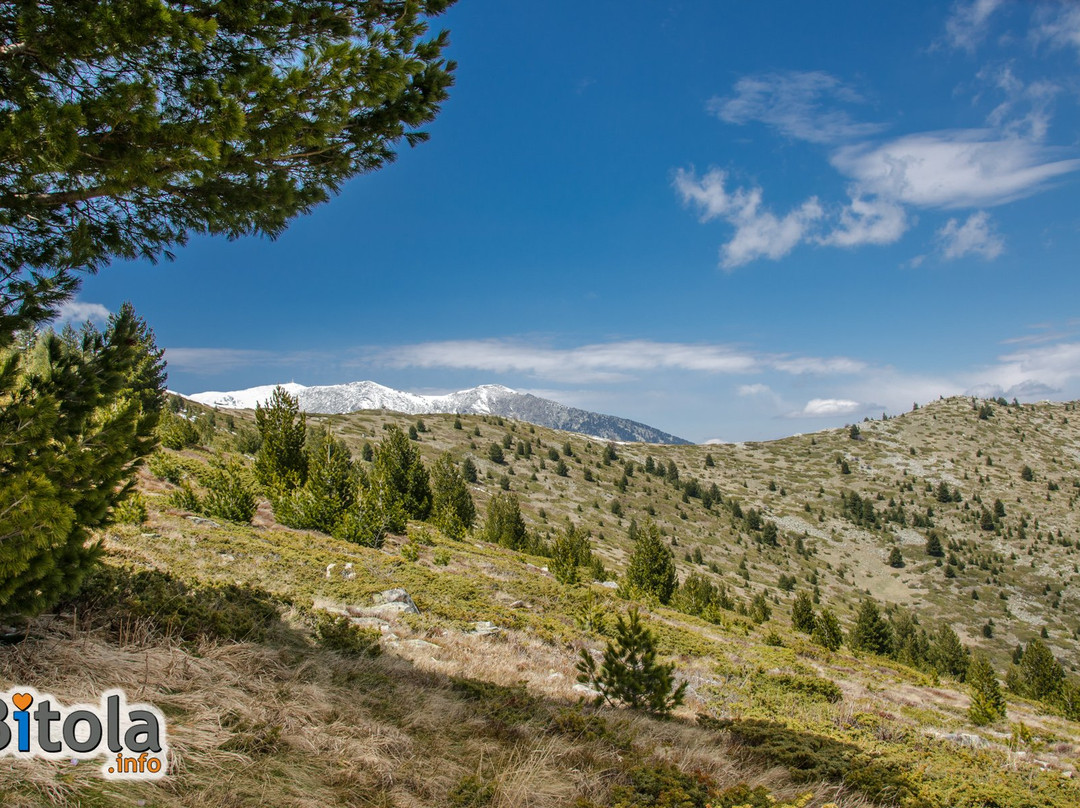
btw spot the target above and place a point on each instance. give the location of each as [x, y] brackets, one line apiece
[794, 103]
[1059, 25]
[1049, 369]
[828, 407]
[604, 362]
[76, 312]
[759, 233]
[212, 361]
[867, 221]
[976, 236]
[1025, 111]
[952, 169]
[966, 27]
[754, 390]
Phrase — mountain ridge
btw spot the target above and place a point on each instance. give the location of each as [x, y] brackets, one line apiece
[487, 399]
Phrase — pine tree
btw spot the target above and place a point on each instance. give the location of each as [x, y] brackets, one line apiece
[84, 414]
[871, 632]
[987, 700]
[629, 673]
[131, 126]
[452, 505]
[802, 613]
[651, 571]
[1038, 676]
[827, 630]
[397, 463]
[569, 550]
[896, 558]
[504, 524]
[933, 545]
[947, 654]
[327, 493]
[280, 463]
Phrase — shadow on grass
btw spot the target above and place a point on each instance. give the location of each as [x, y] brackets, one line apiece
[810, 757]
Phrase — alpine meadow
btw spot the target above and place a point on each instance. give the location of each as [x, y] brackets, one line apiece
[331, 592]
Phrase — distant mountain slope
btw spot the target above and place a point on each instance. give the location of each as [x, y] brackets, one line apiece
[488, 399]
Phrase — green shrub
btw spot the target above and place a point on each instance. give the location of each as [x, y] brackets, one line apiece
[132, 511]
[184, 498]
[113, 596]
[228, 493]
[662, 785]
[336, 633]
[177, 432]
[471, 791]
[166, 467]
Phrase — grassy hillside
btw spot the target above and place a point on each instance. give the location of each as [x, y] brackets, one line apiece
[220, 625]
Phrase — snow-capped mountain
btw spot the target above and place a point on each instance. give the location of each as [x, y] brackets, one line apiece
[488, 399]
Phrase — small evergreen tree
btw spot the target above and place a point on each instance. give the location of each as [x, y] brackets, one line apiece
[629, 673]
[452, 505]
[651, 571]
[896, 558]
[947, 655]
[228, 493]
[802, 613]
[504, 524]
[871, 632]
[569, 550]
[398, 466]
[933, 545]
[281, 463]
[1038, 676]
[987, 700]
[827, 630]
[329, 489]
[495, 454]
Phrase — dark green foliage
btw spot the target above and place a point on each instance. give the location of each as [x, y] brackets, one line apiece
[77, 416]
[503, 706]
[809, 757]
[759, 609]
[999, 509]
[986, 521]
[561, 469]
[328, 492]
[896, 558]
[629, 673]
[802, 613]
[471, 791]
[947, 655]
[468, 470]
[709, 462]
[871, 632]
[130, 126]
[177, 432]
[452, 506]
[228, 493]
[1027, 474]
[495, 454]
[504, 524]
[859, 510]
[933, 545]
[1038, 676]
[114, 596]
[569, 550]
[398, 467]
[699, 596]
[280, 463]
[651, 571]
[336, 633]
[813, 688]
[987, 701]
[662, 785]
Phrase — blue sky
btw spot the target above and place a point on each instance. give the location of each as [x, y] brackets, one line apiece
[728, 220]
